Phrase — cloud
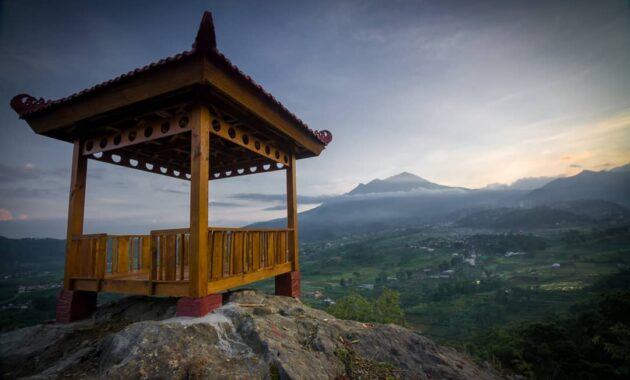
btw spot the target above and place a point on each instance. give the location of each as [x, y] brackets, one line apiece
[576, 166]
[226, 204]
[19, 172]
[260, 197]
[5, 215]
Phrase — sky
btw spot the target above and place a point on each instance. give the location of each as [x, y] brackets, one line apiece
[461, 93]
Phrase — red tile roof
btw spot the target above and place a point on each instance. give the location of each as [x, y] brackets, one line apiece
[205, 43]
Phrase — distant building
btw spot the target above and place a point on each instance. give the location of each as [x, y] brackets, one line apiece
[366, 286]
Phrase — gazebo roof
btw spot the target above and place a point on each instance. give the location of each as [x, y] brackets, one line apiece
[163, 90]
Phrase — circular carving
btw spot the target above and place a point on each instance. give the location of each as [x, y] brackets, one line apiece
[232, 133]
[216, 125]
[245, 139]
[285, 159]
[132, 135]
[148, 131]
[257, 144]
[183, 122]
[165, 127]
[267, 149]
[103, 143]
[117, 139]
[277, 155]
[89, 145]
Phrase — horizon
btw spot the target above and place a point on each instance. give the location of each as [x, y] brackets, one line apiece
[465, 95]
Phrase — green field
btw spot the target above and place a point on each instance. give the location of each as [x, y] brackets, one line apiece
[449, 299]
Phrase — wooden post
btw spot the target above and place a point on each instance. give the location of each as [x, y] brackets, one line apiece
[292, 213]
[199, 165]
[76, 207]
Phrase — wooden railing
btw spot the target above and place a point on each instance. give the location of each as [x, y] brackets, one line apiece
[236, 256]
[169, 254]
[87, 256]
[239, 251]
[101, 255]
[127, 254]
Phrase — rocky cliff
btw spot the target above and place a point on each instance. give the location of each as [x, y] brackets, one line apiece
[253, 336]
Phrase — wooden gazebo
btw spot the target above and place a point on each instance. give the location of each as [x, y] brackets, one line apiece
[194, 116]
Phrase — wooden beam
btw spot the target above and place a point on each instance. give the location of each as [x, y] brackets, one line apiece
[238, 136]
[292, 214]
[199, 164]
[137, 135]
[135, 162]
[76, 207]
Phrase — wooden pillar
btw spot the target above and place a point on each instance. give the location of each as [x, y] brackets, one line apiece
[292, 213]
[199, 169]
[76, 207]
[288, 284]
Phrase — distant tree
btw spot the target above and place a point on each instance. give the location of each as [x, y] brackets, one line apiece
[387, 308]
[353, 306]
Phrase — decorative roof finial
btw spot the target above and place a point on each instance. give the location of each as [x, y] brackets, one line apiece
[206, 40]
[24, 103]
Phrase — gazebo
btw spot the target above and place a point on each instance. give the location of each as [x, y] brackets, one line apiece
[194, 116]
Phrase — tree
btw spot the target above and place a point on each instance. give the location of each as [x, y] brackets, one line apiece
[353, 306]
[387, 308]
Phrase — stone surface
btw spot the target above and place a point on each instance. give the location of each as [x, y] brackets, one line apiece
[253, 336]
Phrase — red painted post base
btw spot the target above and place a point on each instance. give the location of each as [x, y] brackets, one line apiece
[198, 307]
[73, 305]
[288, 284]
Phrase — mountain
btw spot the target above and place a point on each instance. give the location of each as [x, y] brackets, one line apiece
[400, 182]
[17, 255]
[611, 186]
[254, 336]
[527, 183]
[406, 200]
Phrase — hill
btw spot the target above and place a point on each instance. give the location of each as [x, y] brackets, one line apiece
[254, 336]
[19, 255]
[612, 186]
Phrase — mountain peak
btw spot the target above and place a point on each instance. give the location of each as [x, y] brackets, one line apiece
[405, 176]
[404, 181]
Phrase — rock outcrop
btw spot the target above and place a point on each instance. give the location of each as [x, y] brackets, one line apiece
[254, 336]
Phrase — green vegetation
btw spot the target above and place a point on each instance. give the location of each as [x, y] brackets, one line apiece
[593, 342]
[385, 309]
